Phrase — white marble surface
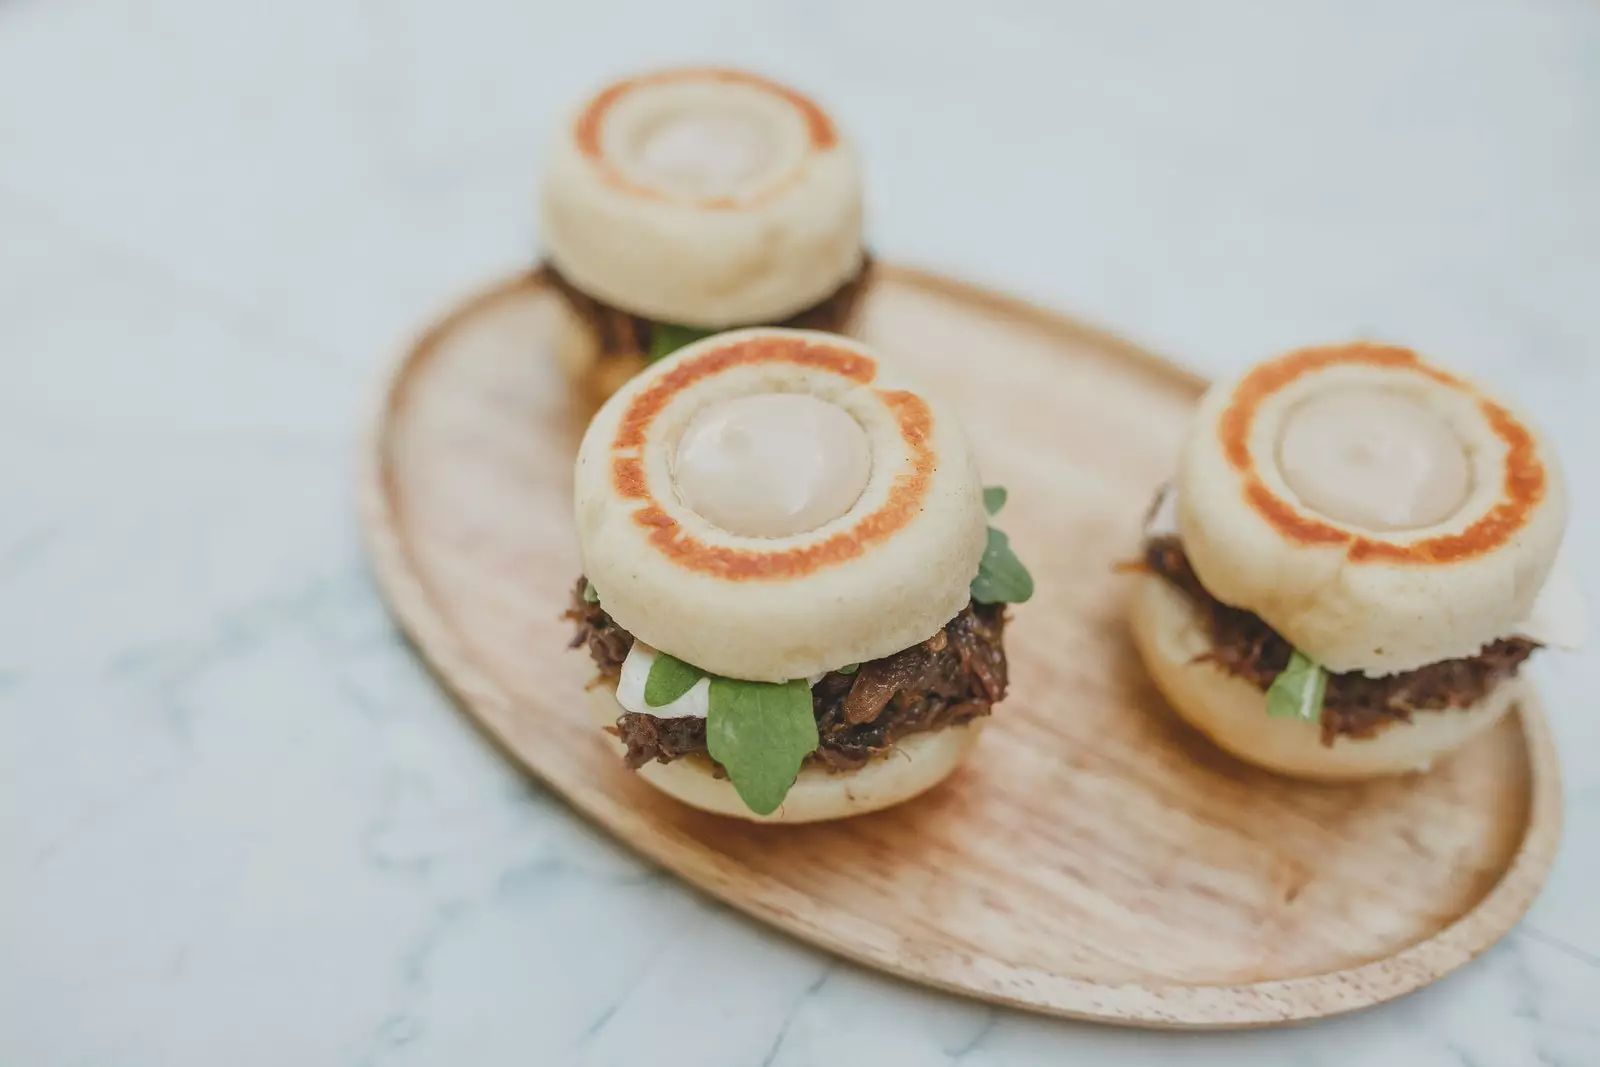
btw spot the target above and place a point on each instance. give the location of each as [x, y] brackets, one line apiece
[239, 825]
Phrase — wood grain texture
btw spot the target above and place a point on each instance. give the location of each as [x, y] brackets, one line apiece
[1095, 857]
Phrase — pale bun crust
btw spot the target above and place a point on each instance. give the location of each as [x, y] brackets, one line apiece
[913, 766]
[1355, 599]
[1170, 633]
[577, 349]
[771, 249]
[886, 575]
[577, 352]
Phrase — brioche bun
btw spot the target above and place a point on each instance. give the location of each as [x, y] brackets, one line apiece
[1357, 599]
[885, 575]
[636, 212]
[1170, 632]
[577, 352]
[912, 766]
[577, 349]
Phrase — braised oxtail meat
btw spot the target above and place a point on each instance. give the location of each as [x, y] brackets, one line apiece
[951, 678]
[1354, 705]
[622, 334]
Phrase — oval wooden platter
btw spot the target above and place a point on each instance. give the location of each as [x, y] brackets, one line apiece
[1094, 858]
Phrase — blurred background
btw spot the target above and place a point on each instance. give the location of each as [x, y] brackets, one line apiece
[238, 822]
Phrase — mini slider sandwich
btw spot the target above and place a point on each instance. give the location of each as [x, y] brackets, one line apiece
[792, 593]
[684, 202]
[1358, 554]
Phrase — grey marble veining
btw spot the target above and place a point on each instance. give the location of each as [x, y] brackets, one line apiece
[237, 821]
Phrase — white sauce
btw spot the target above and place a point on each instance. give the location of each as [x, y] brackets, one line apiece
[694, 704]
[630, 688]
[1163, 521]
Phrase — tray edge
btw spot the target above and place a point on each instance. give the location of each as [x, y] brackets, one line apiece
[1175, 1006]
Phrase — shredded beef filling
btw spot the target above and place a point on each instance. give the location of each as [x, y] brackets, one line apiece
[953, 677]
[623, 335]
[1354, 704]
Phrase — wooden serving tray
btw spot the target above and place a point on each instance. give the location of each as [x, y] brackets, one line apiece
[1094, 857]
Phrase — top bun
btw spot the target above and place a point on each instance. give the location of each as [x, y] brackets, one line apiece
[886, 574]
[1352, 597]
[705, 197]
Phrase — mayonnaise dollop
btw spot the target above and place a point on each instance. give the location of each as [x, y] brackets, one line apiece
[630, 689]
[695, 704]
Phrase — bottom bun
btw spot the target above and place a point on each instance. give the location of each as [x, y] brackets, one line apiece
[578, 354]
[913, 766]
[1170, 633]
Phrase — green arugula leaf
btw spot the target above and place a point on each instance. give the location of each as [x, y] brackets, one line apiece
[666, 338]
[1297, 692]
[1002, 579]
[760, 733]
[589, 594]
[669, 679]
[850, 668]
[994, 498]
